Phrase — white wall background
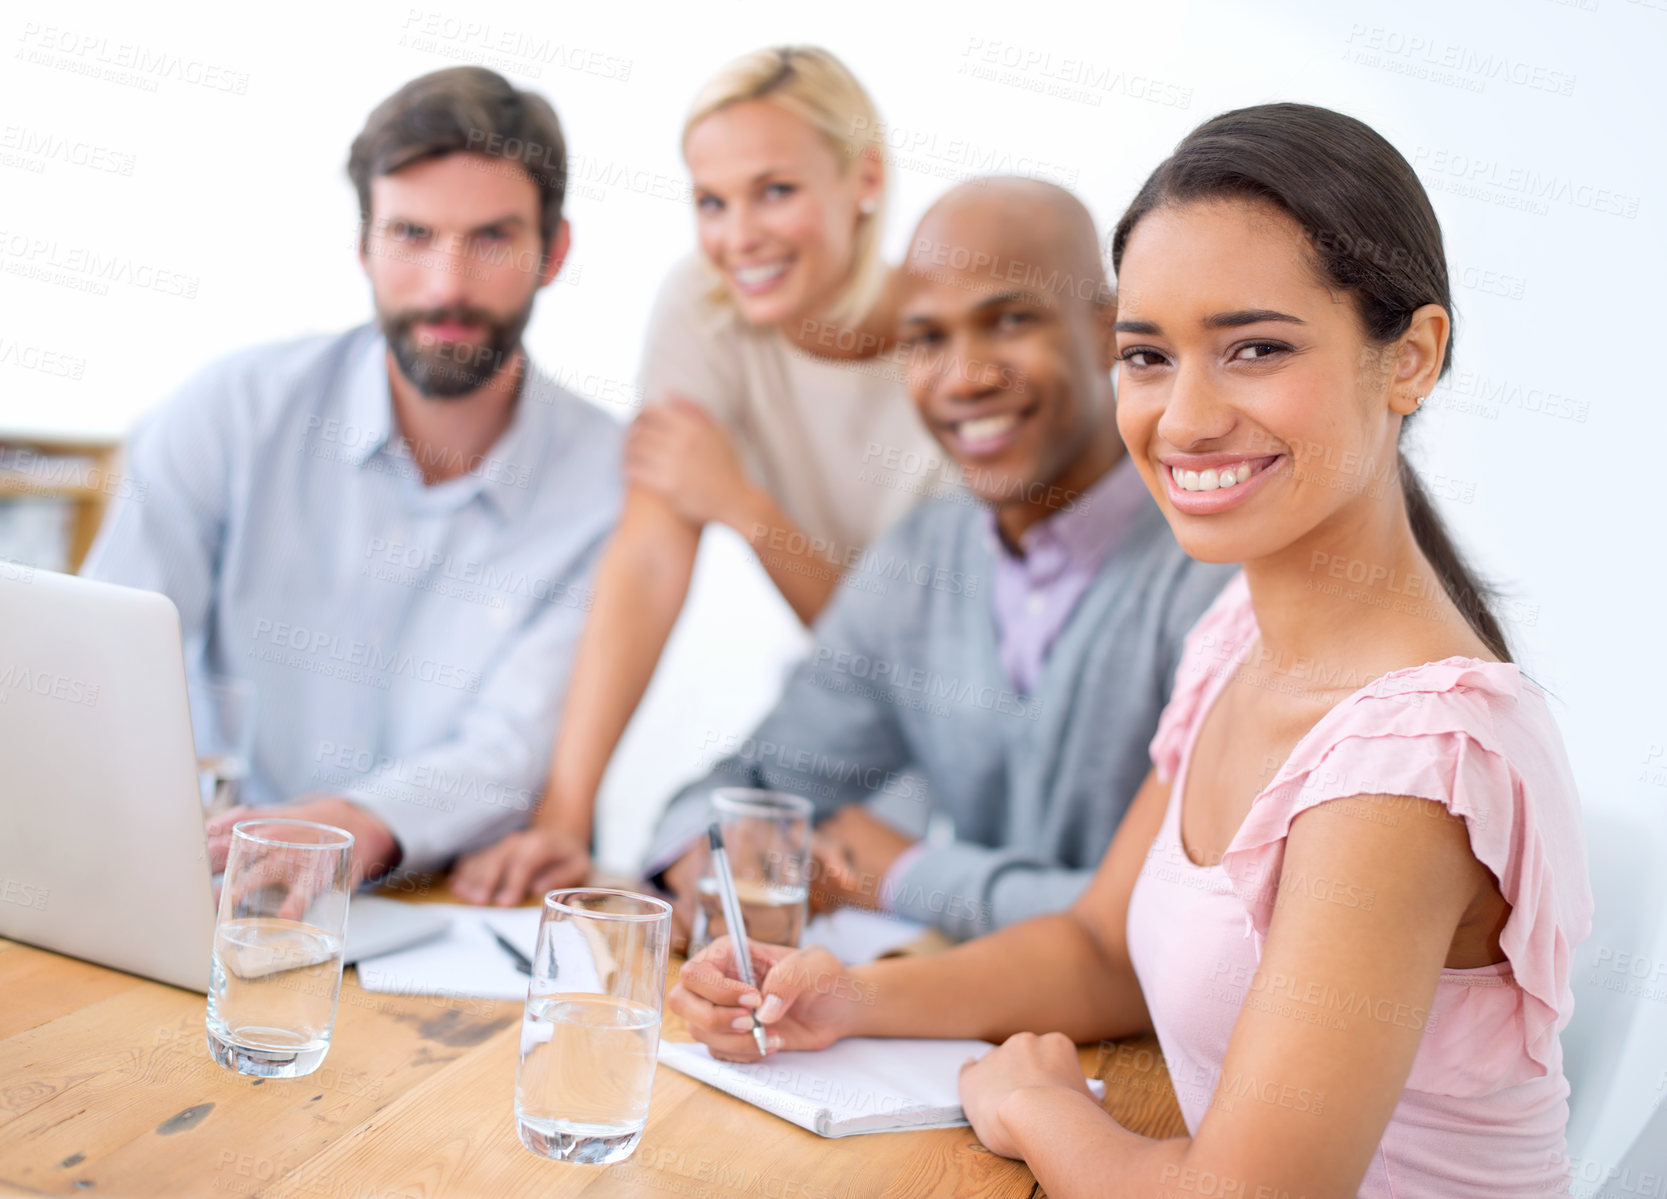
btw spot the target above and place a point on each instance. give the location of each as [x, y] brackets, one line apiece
[1535, 123]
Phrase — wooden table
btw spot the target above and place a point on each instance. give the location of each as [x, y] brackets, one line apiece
[107, 1090]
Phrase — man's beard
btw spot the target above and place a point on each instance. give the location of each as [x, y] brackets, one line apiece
[445, 370]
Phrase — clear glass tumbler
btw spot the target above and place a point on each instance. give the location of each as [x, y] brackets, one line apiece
[277, 967]
[590, 1035]
[767, 840]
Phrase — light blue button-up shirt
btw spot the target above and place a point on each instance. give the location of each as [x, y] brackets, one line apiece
[409, 645]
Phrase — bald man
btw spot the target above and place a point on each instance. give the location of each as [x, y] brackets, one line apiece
[993, 668]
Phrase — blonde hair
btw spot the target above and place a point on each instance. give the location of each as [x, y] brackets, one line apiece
[816, 87]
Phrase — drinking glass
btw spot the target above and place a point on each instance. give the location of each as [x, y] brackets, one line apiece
[767, 838]
[223, 729]
[591, 1031]
[277, 966]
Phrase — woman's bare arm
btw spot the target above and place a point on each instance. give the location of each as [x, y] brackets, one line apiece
[1067, 972]
[804, 576]
[1327, 1027]
[640, 588]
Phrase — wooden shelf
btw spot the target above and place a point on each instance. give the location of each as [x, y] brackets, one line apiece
[99, 462]
[25, 488]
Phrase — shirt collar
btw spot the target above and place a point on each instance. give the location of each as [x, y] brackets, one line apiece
[1085, 534]
[505, 475]
[368, 408]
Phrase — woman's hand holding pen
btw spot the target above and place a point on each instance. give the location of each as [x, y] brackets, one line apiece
[806, 999]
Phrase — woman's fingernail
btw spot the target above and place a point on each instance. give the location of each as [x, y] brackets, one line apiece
[750, 999]
[771, 1009]
[773, 1043]
[741, 1023]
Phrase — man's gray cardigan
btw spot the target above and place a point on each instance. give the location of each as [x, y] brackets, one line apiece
[904, 693]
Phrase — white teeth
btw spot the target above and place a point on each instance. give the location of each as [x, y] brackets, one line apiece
[1211, 478]
[752, 276]
[985, 428]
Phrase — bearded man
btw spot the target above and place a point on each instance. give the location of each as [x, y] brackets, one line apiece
[389, 533]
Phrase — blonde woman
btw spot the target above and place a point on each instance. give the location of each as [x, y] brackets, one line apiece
[772, 405]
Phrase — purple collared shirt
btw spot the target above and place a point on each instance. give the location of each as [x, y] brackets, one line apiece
[1036, 590]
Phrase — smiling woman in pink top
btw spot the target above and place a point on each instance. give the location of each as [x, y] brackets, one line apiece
[1347, 896]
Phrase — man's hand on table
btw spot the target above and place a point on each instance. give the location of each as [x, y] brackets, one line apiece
[530, 861]
[682, 882]
[851, 853]
[375, 851]
[853, 850]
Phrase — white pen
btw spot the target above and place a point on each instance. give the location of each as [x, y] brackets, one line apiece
[737, 928]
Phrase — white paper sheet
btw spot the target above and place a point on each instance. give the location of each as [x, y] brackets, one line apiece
[467, 961]
[858, 1085]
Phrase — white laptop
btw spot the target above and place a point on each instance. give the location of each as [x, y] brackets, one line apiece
[102, 850]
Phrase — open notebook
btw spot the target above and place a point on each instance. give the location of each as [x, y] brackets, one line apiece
[858, 1085]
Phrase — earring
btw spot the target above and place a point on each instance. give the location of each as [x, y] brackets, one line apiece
[867, 206]
[1417, 401]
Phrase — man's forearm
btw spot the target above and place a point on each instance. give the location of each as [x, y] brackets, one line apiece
[376, 850]
[1044, 975]
[970, 890]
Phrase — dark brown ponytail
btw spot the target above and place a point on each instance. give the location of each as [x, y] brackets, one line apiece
[1456, 578]
[1371, 232]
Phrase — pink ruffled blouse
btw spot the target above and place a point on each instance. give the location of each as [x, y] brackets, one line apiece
[1485, 1107]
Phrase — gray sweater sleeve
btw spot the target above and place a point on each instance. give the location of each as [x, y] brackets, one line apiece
[968, 889]
[834, 736]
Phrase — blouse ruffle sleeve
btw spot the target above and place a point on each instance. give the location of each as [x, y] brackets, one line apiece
[1478, 739]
